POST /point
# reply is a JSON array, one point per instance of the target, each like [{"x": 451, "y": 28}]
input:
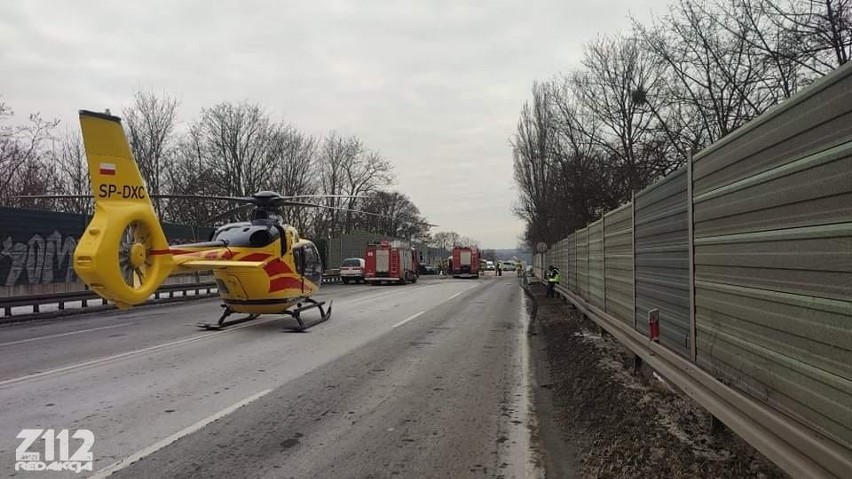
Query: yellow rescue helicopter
[{"x": 260, "y": 266}]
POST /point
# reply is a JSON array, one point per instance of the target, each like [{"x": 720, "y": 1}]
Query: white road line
[
  {"x": 174, "y": 437},
  {"x": 408, "y": 319},
  {"x": 62, "y": 334},
  {"x": 454, "y": 296},
  {"x": 128, "y": 354}
]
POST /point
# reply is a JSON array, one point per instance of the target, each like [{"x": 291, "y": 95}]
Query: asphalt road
[{"x": 423, "y": 380}]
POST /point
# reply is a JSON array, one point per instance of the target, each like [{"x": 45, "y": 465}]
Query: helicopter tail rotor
[{"x": 123, "y": 255}]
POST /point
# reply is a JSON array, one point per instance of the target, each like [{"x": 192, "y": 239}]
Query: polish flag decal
[{"x": 107, "y": 169}]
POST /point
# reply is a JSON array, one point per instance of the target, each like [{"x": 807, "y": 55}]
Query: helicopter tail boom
[{"x": 123, "y": 254}]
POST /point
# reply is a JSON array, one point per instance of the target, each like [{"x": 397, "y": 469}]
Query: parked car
[
  {"x": 352, "y": 270},
  {"x": 426, "y": 269}
]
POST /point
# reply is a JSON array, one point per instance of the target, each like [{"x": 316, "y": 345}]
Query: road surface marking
[
  {"x": 62, "y": 334},
  {"x": 408, "y": 319},
  {"x": 454, "y": 296},
  {"x": 174, "y": 437},
  {"x": 128, "y": 354}
]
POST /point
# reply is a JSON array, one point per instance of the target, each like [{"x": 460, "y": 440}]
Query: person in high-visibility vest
[{"x": 552, "y": 281}]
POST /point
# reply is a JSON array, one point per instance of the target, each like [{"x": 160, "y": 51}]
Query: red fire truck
[
  {"x": 465, "y": 262},
  {"x": 390, "y": 261}
]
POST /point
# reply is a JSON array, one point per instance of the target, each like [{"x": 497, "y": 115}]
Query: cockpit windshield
[{"x": 247, "y": 234}]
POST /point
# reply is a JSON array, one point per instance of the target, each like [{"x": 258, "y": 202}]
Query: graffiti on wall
[
  {"x": 37, "y": 247},
  {"x": 40, "y": 260}
]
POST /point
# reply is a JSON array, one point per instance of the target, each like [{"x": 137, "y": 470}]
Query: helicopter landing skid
[
  {"x": 297, "y": 313},
  {"x": 224, "y": 324}
]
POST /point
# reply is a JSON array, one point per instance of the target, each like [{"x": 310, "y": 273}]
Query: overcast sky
[{"x": 435, "y": 86}]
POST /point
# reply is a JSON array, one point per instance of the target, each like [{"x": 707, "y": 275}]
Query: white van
[{"x": 352, "y": 269}]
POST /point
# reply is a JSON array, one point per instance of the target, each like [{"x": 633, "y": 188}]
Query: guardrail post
[
  {"x": 693, "y": 349},
  {"x": 633, "y": 248},
  {"x": 603, "y": 258}
]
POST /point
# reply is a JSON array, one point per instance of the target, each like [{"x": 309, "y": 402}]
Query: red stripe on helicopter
[
  {"x": 284, "y": 283},
  {"x": 255, "y": 257},
  {"x": 174, "y": 251},
  {"x": 227, "y": 254},
  {"x": 276, "y": 267}
]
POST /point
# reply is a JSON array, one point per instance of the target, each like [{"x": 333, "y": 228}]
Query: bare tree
[
  {"x": 190, "y": 173},
  {"x": 468, "y": 242},
  {"x": 587, "y": 183},
  {"x": 69, "y": 159},
  {"x": 293, "y": 157},
  {"x": 445, "y": 240},
  {"x": 822, "y": 28},
  {"x": 641, "y": 104},
  {"x": 234, "y": 140},
  {"x": 713, "y": 71},
  {"x": 616, "y": 69},
  {"x": 335, "y": 153},
  {"x": 22, "y": 152},
  {"x": 400, "y": 218},
  {"x": 225, "y": 152},
  {"x": 364, "y": 174},
  {"x": 348, "y": 168},
  {"x": 770, "y": 41},
  {"x": 150, "y": 123},
  {"x": 533, "y": 169}
]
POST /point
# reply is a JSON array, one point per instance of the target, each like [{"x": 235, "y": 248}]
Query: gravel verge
[{"x": 600, "y": 416}]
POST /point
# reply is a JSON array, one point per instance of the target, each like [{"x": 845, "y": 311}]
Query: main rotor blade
[
  {"x": 195, "y": 197},
  {"x": 323, "y": 196},
  {"x": 226, "y": 214},
  {"x": 207, "y": 197},
  {"x": 48, "y": 197},
  {"x": 312, "y": 205}
]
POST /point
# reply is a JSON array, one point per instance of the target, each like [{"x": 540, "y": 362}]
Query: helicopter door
[
  {"x": 313, "y": 263},
  {"x": 299, "y": 259},
  {"x": 283, "y": 235}
]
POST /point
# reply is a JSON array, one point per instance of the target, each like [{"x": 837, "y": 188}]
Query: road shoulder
[{"x": 601, "y": 417}]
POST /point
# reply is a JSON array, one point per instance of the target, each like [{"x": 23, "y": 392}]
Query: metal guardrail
[
  {"x": 791, "y": 445},
  {"x": 86, "y": 296}
]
